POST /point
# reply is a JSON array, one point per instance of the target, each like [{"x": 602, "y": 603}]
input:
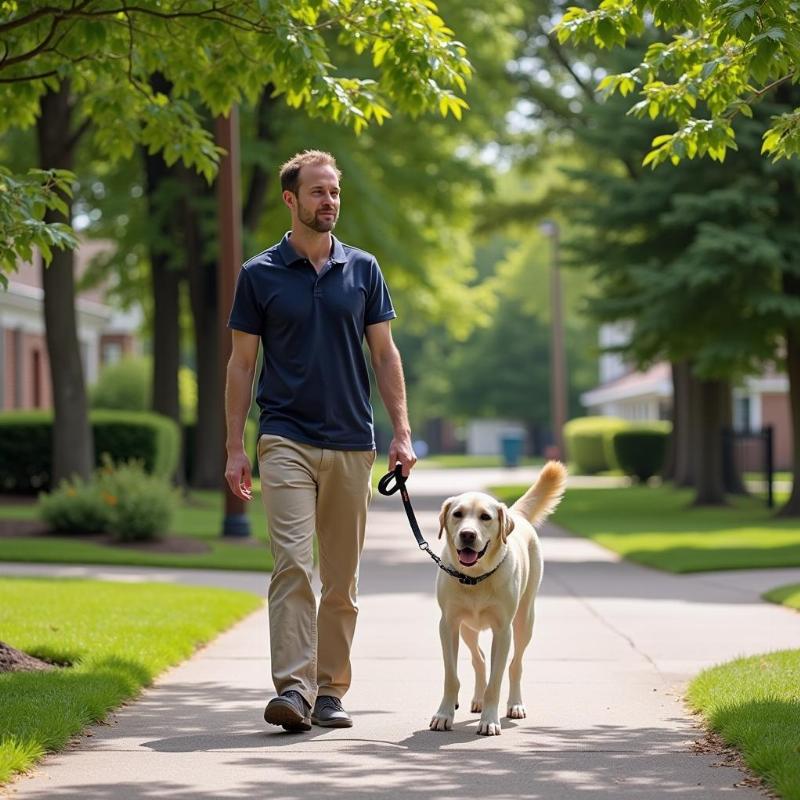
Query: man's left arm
[{"x": 388, "y": 368}]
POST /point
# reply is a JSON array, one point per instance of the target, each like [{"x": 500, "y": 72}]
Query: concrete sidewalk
[{"x": 613, "y": 647}]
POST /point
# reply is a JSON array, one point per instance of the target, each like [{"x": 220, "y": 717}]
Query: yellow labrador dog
[{"x": 498, "y": 547}]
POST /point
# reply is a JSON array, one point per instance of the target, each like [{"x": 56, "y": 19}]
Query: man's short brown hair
[{"x": 290, "y": 171}]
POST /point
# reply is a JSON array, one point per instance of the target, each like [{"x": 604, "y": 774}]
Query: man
[{"x": 310, "y": 300}]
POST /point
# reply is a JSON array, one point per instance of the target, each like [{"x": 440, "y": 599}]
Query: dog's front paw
[
  {"x": 489, "y": 726},
  {"x": 442, "y": 721},
  {"x": 477, "y": 705},
  {"x": 516, "y": 711}
]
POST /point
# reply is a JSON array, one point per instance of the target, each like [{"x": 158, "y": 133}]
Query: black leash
[{"x": 385, "y": 487}]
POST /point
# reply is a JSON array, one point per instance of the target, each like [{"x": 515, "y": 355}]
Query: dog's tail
[{"x": 542, "y": 498}]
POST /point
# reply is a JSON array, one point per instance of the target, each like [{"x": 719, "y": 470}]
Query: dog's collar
[{"x": 469, "y": 580}]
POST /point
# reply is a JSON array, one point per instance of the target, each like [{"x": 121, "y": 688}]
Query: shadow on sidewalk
[{"x": 603, "y": 762}]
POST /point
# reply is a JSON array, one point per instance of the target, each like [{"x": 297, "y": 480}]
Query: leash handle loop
[{"x": 385, "y": 485}]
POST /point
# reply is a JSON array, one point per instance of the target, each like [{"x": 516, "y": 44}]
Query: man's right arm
[{"x": 238, "y": 394}]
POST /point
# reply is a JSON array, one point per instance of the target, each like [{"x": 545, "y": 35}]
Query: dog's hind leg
[
  {"x": 470, "y": 637},
  {"x": 523, "y": 632}
]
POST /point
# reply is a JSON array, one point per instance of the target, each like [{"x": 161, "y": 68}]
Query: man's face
[{"x": 317, "y": 200}]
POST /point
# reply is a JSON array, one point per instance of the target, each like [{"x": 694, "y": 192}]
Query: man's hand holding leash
[{"x": 402, "y": 452}]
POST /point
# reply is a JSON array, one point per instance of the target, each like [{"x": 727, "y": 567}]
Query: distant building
[
  {"x": 105, "y": 334},
  {"x": 484, "y": 436},
  {"x": 624, "y": 392}
]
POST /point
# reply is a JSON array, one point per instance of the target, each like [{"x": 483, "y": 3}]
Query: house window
[
  {"x": 112, "y": 352},
  {"x": 741, "y": 413},
  {"x": 36, "y": 369}
]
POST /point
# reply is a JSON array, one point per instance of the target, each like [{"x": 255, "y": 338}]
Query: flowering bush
[
  {"x": 120, "y": 499},
  {"x": 75, "y": 507},
  {"x": 141, "y": 504}
]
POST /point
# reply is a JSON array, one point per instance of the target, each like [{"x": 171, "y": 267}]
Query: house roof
[{"x": 656, "y": 381}]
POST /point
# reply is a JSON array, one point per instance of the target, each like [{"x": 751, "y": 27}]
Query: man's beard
[{"x": 315, "y": 222}]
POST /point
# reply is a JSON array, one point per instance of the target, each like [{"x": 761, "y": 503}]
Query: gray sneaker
[
  {"x": 289, "y": 710},
  {"x": 328, "y": 713}
]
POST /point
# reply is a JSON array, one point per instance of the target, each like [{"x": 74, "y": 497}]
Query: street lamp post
[
  {"x": 558, "y": 360},
  {"x": 235, "y": 522}
]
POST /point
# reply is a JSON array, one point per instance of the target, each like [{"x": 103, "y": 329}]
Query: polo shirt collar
[{"x": 290, "y": 255}]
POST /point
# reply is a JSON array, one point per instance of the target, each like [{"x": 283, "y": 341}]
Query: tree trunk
[
  {"x": 731, "y": 470},
  {"x": 202, "y": 271},
  {"x": 787, "y": 199},
  {"x": 73, "y": 444},
  {"x": 684, "y": 393},
  {"x": 166, "y": 278},
  {"x": 792, "y": 506},
  {"x": 707, "y": 439},
  {"x": 210, "y": 429}
]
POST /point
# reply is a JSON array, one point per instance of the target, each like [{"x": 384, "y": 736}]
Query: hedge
[
  {"x": 586, "y": 439},
  {"x": 641, "y": 450},
  {"x": 26, "y": 445}
]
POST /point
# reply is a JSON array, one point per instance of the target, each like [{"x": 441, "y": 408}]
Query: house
[
  {"x": 759, "y": 401},
  {"x": 105, "y": 334}
]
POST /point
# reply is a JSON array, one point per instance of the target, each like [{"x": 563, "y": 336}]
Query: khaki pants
[{"x": 307, "y": 489}]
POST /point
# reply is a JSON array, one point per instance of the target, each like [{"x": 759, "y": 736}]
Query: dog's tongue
[{"x": 467, "y": 556}]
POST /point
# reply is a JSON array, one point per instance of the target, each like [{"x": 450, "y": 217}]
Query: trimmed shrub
[
  {"x": 137, "y": 435},
  {"x": 586, "y": 442},
  {"x": 75, "y": 507},
  {"x": 641, "y": 450},
  {"x": 127, "y": 386},
  {"x": 120, "y": 499},
  {"x": 124, "y": 386},
  {"x": 26, "y": 445}
]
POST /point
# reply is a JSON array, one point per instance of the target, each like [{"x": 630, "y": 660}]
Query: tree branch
[
  {"x": 10, "y": 62},
  {"x": 40, "y": 12},
  {"x": 75, "y": 138},
  {"x": 556, "y": 50}
]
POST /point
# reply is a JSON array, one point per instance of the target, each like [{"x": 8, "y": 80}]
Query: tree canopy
[
  {"x": 723, "y": 56},
  {"x": 213, "y": 56}
]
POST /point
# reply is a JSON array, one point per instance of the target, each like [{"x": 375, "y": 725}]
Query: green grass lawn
[
  {"x": 458, "y": 461},
  {"x": 116, "y": 637},
  {"x": 199, "y": 515},
  {"x": 776, "y": 476},
  {"x": 754, "y": 704},
  {"x": 658, "y": 527}
]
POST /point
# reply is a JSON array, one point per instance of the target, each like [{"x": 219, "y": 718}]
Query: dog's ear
[
  {"x": 443, "y": 515},
  {"x": 505, "y": 521}
]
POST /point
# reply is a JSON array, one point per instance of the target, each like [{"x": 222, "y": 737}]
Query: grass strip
[
  {"x": 199, "y": 516},
  {"x": 116, "y": 637},
  {"x": 658, "y": 527},
  {"x": 459, "y": 461},
  {"x": 62, "y": 550},
  {"x": 754, "y": 704},
  {"x": 785, "y": 595}
]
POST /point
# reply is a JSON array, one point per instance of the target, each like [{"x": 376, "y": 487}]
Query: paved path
[{"x": 613, "y": 647}]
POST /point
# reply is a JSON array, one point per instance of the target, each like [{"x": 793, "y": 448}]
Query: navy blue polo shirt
[{"x": 314, "y": 385}]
